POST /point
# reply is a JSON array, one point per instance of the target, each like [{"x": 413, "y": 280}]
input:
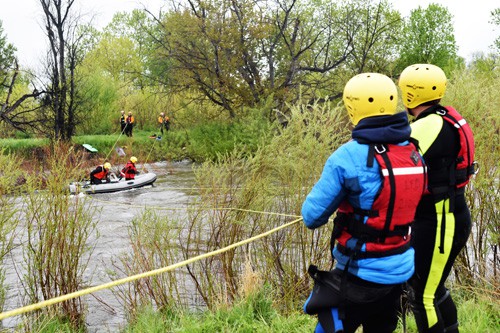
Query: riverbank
[{"x": 197, "y": 144}]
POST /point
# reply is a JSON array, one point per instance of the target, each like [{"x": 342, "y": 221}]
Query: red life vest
[
  {"x": 101, "y": 174},
  {"x": 386, "y": 230},
  {"x": 129, "y": 170},
  {"x": 465, "y": 164}
]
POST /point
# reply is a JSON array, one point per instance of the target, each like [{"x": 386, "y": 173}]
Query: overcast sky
[{"x": 21, "y": 22}]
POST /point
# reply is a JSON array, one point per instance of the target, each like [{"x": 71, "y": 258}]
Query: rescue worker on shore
[
  {"x": 130, "y": 122},
  {"x": 123, "y": 121},
  {"x": 374, "y": 182},
  {"x": 164, "y": 122},
  {"x": 129, "y": 171},
  {"x": 100, "y": 174},
  {"x": 442, "y": 222}
]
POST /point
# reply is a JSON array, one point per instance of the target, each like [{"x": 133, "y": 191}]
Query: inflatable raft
[{"x": 114, "y": 185}]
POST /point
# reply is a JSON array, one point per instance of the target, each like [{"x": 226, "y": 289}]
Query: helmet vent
[
  {"x": 370, "y": 99},
  {"x": 391, "y": 98},
  {"x": 434, "y": 87}
]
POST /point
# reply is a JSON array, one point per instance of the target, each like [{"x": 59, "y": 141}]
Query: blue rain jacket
[{"x": 346, "y": 176}]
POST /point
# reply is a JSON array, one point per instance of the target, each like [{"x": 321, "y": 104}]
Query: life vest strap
[
  {"x": 357, "y": 255},
  {"x": 439, "y": 191},
  {"x": 366, "y": 212},
  {"x": 359, "y": 229}
]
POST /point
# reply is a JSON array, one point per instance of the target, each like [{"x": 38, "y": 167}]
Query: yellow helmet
[
  {"x": 369, "y": 95},
  {"x": 421, "y": 83},
  {"x": 107, "y": 165},
  {"x": 133, "y": 159}
]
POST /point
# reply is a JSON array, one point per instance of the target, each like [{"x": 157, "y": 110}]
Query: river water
[{"x": 172, "y": 189}]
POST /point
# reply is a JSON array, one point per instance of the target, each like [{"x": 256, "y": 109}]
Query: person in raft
[
  {"x": 100, "y": 174},
  {"x": 129, "y": 171}
]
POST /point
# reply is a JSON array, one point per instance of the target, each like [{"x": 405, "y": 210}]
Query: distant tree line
[{"x": 221, "y": 56}]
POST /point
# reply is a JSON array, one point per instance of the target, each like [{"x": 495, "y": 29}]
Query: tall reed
[
  {"x": 11, "y": 184},
  {"x": 243, "y": 197},
  {"x": 58, "y": 228},
  {"x": 154, "y": 244},
  {"x": 474, "y": 93},
  {"x": 239, "y": 197}
]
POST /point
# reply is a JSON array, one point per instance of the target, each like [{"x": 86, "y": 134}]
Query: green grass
[
  {"x": 477, "y": 312},
  {"x": 253, "y": 314},
  {"x": 53, "y": 325},
  {"x": 200, "y": 143},
  {"x": 22, "y": 145}
]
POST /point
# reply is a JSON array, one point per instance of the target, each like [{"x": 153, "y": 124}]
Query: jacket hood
[{"x": 383, "y": 129}]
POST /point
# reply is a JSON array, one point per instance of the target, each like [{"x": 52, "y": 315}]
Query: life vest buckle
[
  {"x": 441, "y": 112},
  {"x": 380, "y": 149},
  {"x": 474, "y": 168}
]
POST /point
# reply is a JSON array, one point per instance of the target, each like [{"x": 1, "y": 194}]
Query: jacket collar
[
  {"x": 430, "y": 110},
  {"x": 383, "y": 129}
]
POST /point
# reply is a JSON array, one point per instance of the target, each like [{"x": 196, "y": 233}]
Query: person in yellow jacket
[
  {"x": 164, "y": 122},
  {"x": 442, "y": 222},
  {"x": 130, "y": 122}
]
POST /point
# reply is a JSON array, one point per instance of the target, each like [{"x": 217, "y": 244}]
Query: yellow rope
[
  {"x": 111, "y": 284},
  {"x": 147, "y": 157},
  {"x": 119, "y": 136}
]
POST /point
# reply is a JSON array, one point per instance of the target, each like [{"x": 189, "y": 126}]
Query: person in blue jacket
[{"x": 374, "y": 182}]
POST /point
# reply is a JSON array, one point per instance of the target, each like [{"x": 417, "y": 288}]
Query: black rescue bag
[{"x": 337, "y": 288}]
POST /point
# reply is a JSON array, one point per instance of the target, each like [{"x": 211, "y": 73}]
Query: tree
[
  {"x": 237, "y": 53},
  {"x": 16, "y": 108},
  {"x": 141, "y": 30},
  {"x": 7, "y": 58},
  {"x": 495, "y": 19},
  {"x": 375, "y": 36},
  {"x": 428, "y": 37},
  {"x": 118, "y": 73},
  {"x": 65, "y": 54},
  {"x": 124, "y": 48}
]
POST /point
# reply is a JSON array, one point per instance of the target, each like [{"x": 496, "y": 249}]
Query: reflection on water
[{"x": 173, "y": 189}]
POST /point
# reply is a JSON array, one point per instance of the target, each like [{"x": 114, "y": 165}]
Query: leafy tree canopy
[
  {"x": 7, "y": 58},
  {"x": 237, "y": 53},
  {"x": 495, "y": 19},
  {"x": 428, "y": 37}
]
